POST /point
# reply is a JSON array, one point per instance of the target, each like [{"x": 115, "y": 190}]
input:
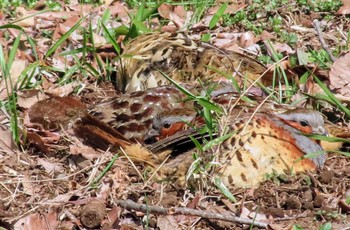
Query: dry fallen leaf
[
  {"x": 25, "y": 18},
  {"x": 27, "y": 98},
  {"x": 79, "y": 149},
  {"x": 28, "y": 186},
  {"x": 38, "y": 221},
  {"x": 5, "y": 85},
  {"x": 339, "y": 75},
  {"x": 164, "y": 10},
  {"x": 50, "y": 167},
  {"x": 64, "y": 90},
  {"x": 177, "y": 14},
  {"x": 6, "y": 142},
  {"x": 167, "y": 222},
  {"x": 345, "y": 8}
]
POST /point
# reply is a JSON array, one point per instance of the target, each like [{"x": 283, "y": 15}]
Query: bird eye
[
  {"x": 166, "y": 125},
  {"x": 304, "y": 123}
]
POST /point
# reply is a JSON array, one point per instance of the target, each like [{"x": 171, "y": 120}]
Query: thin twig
[
  {"x": 322, "y": 41},
  {"x": 131, "y": 205},
  {"x": 302, "y": 215}
]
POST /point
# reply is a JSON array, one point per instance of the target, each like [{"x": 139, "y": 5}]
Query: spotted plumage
[
  {"x": 132, "y": 114},
  {"x": 262, "y": 143},
  {"x": 182, "y": 59}
]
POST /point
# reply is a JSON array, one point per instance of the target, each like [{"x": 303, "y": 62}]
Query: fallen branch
[
  {"x": 322, "y": 41},
  {"x": 131, "y": 205}
]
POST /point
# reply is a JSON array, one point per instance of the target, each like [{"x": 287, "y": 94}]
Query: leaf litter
[{"x": 50, "y": 182}]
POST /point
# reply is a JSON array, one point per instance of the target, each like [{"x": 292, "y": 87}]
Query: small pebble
[
  {"x": 318, "y": 202},
  {"x": 293, "y": 203},
  {"x": 326, "y": 176}
]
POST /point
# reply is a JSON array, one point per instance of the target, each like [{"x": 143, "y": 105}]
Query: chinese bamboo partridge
[
  {"x": 132, "y": 114},
  {"x": 182, "y": 59},
  {"x": 261, "y": 142}
]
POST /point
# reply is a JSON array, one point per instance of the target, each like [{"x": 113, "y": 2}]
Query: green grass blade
[
  {"x": 6, "y": 67},
  {"x": 217, "y": 16},
  {"x": 347, "y": 154},
  {"x": 193, "y": 167},
  {"x": 110, "y": 38},
  {"x": 217, "y": 141},
  {"x": 329, "y": 139},
  {"x": 196, "y": 143},
  {"x": 202, "y": 101},
  {"x": 64, "y": 37},
  {"x": 105, "y": 170},
  {"x": 225, "y": 191},
  {"x": 332, "y": 97}
]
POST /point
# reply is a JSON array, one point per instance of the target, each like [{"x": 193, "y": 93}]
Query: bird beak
[
  {"x": 322, "y": 131},
  {"x": 151, "y": 137}
]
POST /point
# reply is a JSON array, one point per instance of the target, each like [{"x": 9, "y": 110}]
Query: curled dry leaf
[
  {"x": 6, "y": 142},
  {"x": 283, "y": 48},
  {"x": 167, "y": 222},
  {"x": 43, "y": 140},
  {"x": 38, "y": 221},
  {"x": 79, "y": 149},
  {"x": 25, "y": 19},
  {"x": 50, "y": 167},
  {"x": 65, "y": 27},
  {"x": 247, "y": 39},
  {"x": 28, "y": 185},
  {"x": 177, "y": 14},
  {"x": 64, "y": 90},
  {"x": 164, "y": 10},
  {"x": 339, "y": 75},
  {"x": 16, "y": 69},
  {"x": 119, "y": 9},
  {"x": 345, "y": 8},
  {"x": 27, "y": 98}
]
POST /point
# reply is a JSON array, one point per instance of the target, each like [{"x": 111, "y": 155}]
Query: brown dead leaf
[
  {"x": 28, "y": 187},
  {"x": 225, "y": 42},
  {"x": 64, "y": 27},
  {"x": 43, "y": 140},
  {"x": 56, "y": 16},
  {"x": 38, "y": 221},
  {"x": 120, "y": 9},
  {"x": 181, "y": 11},
  {"x": 194, "y": 203},
  {"x": 50, "y": 167},
  {"x": 169, "y": 28},
  {"x": 5, "y": 85},
  {"x": 167, "y": 222},
  {"x": 339, "y": 75},
  {"x": 27, "y": 98},
  {"x": 245, "y": 213},
  {"x": 345, "y": 8},
  {"x": 6, "y": 142},
  {"x": 113, "y": 217},
  {"x": 230, "y": 9},
  {"x": 265, "y": 35},
  {"x": 86, "y": 151},
  {"x": 65, "y": 90},
  {"x": 235, "y": 41},
  {"x": 24, "y": 18},
  {"x": 247, "y": 39},
  {"x": 164, "y": 10},
  {"x": 99, "y": 40},
  {"x": 63, "y": 198},
  {"x": 283, "y": 48},
  {"x": 177, "y": 14}
]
